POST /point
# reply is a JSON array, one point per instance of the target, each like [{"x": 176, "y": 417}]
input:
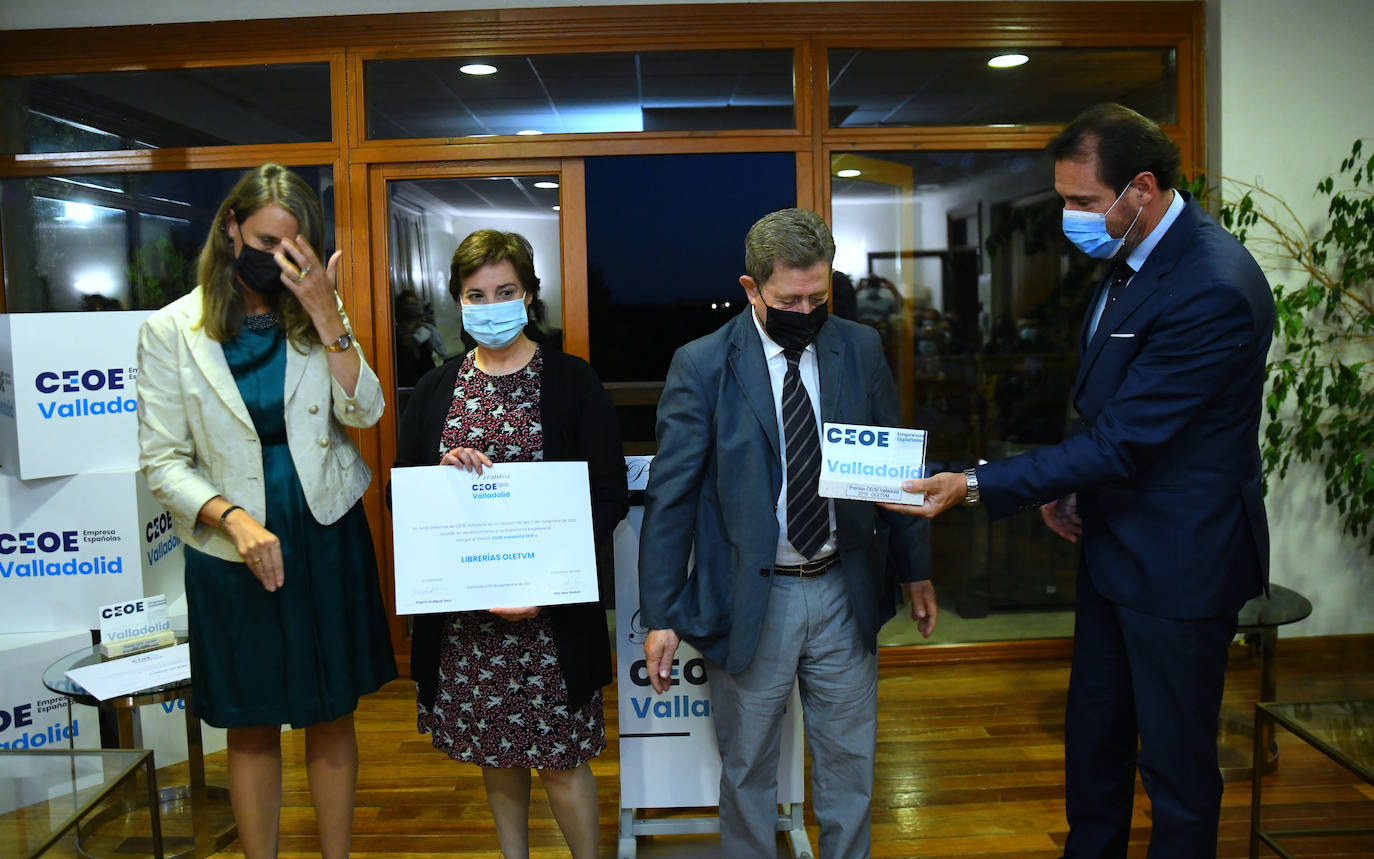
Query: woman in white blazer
[{"x": 246, "y": 386}]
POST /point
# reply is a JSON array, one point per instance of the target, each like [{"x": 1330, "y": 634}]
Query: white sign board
[
  {"x": 31, "y": 716},
  {"x": 68, "y": 392},
  {"x": 163, "y": 556},
  {"x": 668, "y": 753},
  {"x": 70, "y": 545}
]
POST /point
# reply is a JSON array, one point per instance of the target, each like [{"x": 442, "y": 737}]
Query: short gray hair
[{"x": 797, "y": 238}]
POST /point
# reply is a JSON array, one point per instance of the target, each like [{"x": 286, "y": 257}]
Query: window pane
[
  {"x": 115, "y": 242},
  {"x": 890, "y": 87},
  {"x": 665, "y": 250},
  {"x": 570, "y": 93},
  {"x": 165, "y": 108},
  {"x": 958, "y": 260},
  {"x": 428, "y": 218}
]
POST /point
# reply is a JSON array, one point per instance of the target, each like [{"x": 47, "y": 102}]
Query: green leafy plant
[
  {"x": 1320, "y": 398},
  {"x": 159, "y": 272}
]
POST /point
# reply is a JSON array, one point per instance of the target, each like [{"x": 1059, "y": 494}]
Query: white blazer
[{"x": 196, "y": 439}]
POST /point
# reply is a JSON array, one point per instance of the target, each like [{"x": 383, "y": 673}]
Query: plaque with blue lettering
[{"x": 865, "y": 463}]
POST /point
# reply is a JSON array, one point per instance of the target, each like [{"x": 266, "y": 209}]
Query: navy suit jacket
[
  {"x": 714, "y": 486},
  {"x": 1165, "y": 455}
]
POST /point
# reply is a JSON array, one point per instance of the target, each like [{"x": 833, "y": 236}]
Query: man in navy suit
[
  {"x": 786, "y": 585},
  {"x": 1160, "y": 479}
]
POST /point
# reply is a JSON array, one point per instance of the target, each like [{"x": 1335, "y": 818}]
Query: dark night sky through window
[{"x": 665, "y": 239}]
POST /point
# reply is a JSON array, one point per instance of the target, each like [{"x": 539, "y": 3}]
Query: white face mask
[
  {"x": 495, "y": 325},
  {"x": 1088, "y": 230}
]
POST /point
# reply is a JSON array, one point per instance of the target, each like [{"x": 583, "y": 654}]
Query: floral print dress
[{"x": 501, "y": 699}]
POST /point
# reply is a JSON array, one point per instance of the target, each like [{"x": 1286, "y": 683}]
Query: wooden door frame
[{"x": 372, "y": 266}]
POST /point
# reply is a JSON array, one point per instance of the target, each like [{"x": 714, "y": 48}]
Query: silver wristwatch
[
  {"x": 342, "y": 344},
  {"x": 971, "y": 493}
]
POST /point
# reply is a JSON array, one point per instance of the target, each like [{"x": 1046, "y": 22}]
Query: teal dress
[{"x": 306, "y": 652}]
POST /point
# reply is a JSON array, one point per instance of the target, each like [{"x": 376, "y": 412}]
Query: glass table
[
  {"x": 1259, "y": 621},
  {"x": 205, "y": 807},
  {"x": 1341, "y": 730},
  {"x": 52, "y": 791}
]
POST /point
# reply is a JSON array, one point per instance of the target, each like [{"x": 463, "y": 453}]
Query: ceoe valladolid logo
[{"x": 66, "y": 552}]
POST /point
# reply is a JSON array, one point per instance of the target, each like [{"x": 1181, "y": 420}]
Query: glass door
[
  {"x": 419, "y": 215},
  {"x": 426, "y": 219}
]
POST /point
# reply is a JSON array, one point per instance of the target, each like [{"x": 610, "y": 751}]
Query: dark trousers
[{"x": 1155, "y": 684}]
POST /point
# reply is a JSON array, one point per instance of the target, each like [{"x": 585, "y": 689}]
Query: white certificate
[
  {"x": 518, "y": 535},
  {"x": 131, "y": 674}
]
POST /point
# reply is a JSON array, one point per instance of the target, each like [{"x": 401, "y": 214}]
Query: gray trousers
[{"x": 809, "y": 635}]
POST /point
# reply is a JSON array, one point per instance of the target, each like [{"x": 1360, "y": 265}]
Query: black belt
[{"x": 810, "y": 569}]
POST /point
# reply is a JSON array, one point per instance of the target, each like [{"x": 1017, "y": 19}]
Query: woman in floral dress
[{"x": 518, "y": 688}]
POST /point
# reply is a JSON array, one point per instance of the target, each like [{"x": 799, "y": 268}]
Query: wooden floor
[{"x": 970, "y": 763}]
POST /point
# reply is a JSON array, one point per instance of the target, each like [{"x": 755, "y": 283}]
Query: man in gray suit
[{"x": 786, "y": 585}]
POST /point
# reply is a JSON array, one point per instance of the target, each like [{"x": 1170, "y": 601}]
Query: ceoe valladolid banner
[
  {"x": 69, "y": 545},
  {"x": 668, "y": 754},
  {"x": 69, "y": 392}
]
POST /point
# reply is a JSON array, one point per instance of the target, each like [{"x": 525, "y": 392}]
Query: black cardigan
[{"x": 579, "y": 423}]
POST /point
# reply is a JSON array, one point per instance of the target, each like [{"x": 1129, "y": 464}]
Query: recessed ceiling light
[
  {"x": 546, "y": 185},
  {"x": 556, "y": 208},
  {"x": 529, "y": 132},
  {"x": 1007, "y": 61},
  {"x": 477, "y": 69},
  {"x": 848, "y": 174}
]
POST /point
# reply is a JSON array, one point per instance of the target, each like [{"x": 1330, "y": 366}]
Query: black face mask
[
  {"x": 791, "y": 329},
  {"x": 259, "y": 271}
]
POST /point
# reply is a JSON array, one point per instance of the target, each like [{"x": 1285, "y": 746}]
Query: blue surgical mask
[
  {"x": 1088, "y": 230},
  {"x": 496, "y": 325}
]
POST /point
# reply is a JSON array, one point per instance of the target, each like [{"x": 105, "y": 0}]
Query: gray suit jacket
[{"x": 715, "y": 483}]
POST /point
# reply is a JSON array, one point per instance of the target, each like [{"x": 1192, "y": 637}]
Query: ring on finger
[
  {"x": 304, "y": 272},
  {"x": 257, "y": 562}
]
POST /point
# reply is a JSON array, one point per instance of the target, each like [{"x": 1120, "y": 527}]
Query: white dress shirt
[{"x": 811, "y": 380}]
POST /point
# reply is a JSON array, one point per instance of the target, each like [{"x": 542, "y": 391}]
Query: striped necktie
[{"x": 808, "y": 520}]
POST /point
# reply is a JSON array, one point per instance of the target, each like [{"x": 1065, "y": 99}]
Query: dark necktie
[
  {"x": 1121, "y": 272},
  {"x": 1117, "y": 276},
  {"x": 808, "y": 519}
]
